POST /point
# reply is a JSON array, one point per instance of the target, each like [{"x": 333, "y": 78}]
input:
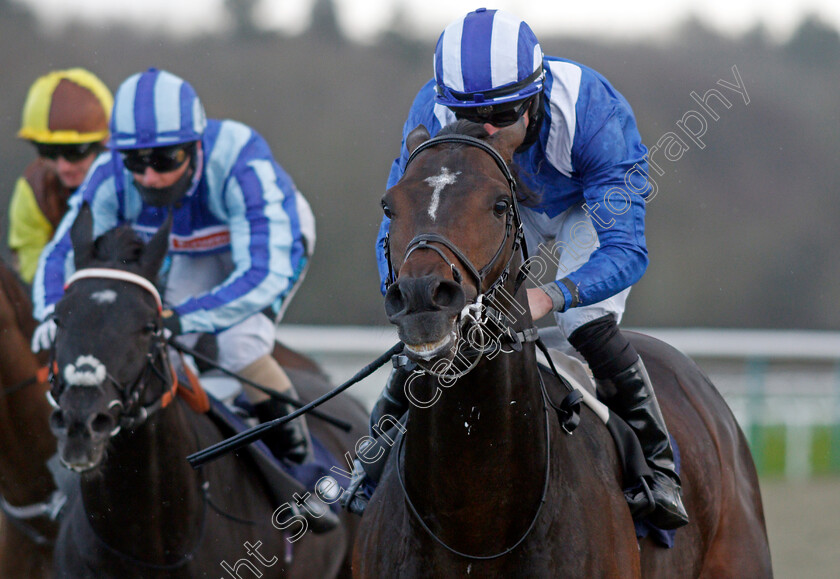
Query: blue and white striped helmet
[
  {"x": 156, "y": 109},
  {"x": 486, "y": 58}
]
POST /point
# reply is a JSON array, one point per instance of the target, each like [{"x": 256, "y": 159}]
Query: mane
[
  {"x": 119, "y": 247},
  {"x": 18, "y": 296},
  {"x": 524, "y": 194}
]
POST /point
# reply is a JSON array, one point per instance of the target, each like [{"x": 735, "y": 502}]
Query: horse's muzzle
[{"x": 425, "y": 310}]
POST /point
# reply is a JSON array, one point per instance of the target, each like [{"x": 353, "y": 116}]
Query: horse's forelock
[
  {"x": 524, "y": 194},
  {"x": 464, "y": 127},
  {"x": 120, "y": 247}
]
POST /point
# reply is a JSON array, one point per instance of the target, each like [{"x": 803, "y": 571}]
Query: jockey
[
  {"x": 241, "y": 238},
  {"x": 65, "y": 117},
  {"x": 583, "y": 155}
]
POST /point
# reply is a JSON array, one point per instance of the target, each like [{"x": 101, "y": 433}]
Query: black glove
[{"x": 171, "y": 323}]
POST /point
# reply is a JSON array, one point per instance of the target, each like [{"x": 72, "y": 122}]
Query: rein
[
  {"x": 546, "y": 480},
  {"x": 42, "y": 375}
]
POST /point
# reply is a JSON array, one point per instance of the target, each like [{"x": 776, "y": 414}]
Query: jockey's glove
[
  {"x": 171, "y": 323},
  {"x": 44, "y": 335}
]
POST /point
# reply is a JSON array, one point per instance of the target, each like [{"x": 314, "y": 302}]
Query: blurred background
[{"x": 742, "y": 233}]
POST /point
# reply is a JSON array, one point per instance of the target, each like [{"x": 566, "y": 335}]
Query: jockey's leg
[
  {"x": 291, "y": 440},
  {"x": 388, "y": 410},
  {"x": 246, "y": 349},
  {"x": 625, "y": 387}
]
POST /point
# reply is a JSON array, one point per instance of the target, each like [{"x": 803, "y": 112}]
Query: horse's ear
[
  {"x": 508, "y": 139},
  {"x": 156, "y": 249},
  {"x": 416, "y": 137},
  {"x": 81, "y": 235}
]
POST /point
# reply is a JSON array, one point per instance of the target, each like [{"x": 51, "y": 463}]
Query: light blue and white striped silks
[
  {"x": 155, "y": 108},
  {"x": 486, "y": 58}
]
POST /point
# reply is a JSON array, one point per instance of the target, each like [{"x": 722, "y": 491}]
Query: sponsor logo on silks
[{"x": 203, "y": 241}]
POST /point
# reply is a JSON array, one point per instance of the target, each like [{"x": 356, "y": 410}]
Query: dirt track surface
[{"x": 803, "y": 523}]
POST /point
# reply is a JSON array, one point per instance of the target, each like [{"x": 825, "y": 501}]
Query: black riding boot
[
  {"x": 290, "y": 440},
  {"x": 630, "y": 395},
  {"x": 387, "y": 411}
]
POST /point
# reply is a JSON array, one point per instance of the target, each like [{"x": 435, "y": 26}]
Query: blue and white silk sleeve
[
  {"x": 614, "y": 177},
  {"x": 268, "y": 249}
]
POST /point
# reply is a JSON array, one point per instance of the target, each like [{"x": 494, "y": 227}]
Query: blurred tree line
[{"x": 742, "y": 232}]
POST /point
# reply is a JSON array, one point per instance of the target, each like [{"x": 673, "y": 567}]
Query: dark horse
[
  {"x": 25, "y": 439},
  {"x": 142, "y": 510},
  {"x": 484, "y": 481}
]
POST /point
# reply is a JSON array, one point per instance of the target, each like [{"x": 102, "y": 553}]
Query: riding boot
[
  {"x": 291, "y": 440},
  {"x": 390, "y": 407},
  {"x": 630, "y": 395}
]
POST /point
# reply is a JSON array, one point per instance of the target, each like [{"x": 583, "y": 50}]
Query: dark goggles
[
  {"x": 499, "y": 116},
  {"x": 160, "y": 159},
  {"x": 70, "y": 153}
]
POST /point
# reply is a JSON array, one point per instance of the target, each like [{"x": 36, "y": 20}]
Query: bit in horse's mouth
[
  {"x": 431, "y": 350},
  {"x": 79, "y": 468}
]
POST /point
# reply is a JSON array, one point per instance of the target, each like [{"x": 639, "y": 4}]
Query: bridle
[
  {"x": 478, "y": 313},
  {"x": 513, "y": 224},
  {"x": 132, "y": 412},
  {"x": 480, "y": 310}
]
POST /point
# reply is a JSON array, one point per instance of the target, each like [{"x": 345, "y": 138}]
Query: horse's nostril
[
  {"x": 102, "y": 424},
  {"x": 448, "y": 295},
  {"x": 57, "y": 421},
  {"x": 394, "y": 300}
]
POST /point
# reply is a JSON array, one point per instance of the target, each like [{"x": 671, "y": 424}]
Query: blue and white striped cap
[
  {"x": 156, "y": 109},
  {"x": 487, "y": 57}
]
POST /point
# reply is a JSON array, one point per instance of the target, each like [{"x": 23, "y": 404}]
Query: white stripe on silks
[
  {"x": 167, "y": 94},
  {"x": 538, "y": 55},
  {"x": 504, "y": 52},
  {"x": 232, "y": 138},
  {"x": 444, "y": 115},
  {"x": 451, "y": 61},
  {"x": 279, "y": 225},
  {"x": 563, "y": 98},
  {"x": 306, "y": 219},
  {"x": 125, "y": 108}
]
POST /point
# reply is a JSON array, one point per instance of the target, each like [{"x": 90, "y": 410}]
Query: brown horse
[
  {"x": 25, "y": 439},
  {"x": 484, "y": 481},
  {"x": 142, "y": 511}
]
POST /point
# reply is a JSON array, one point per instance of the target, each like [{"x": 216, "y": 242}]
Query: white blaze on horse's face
[
  {"x": 437, "y": 183},
  {"x": 87, "y": 371},
  {"x": 104, "y": 297}
]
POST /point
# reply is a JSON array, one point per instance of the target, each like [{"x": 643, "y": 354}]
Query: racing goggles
[
  {"x": 500, "y": 116},
  {"x": 70, "y": 153},
  {"x": 159, "y": 159}
]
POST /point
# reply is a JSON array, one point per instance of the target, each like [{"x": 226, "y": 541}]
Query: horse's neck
[
  {"x": 482, "y": 445},
  {"x": 145, "y": 483},
  {"x": 24, "y": 411}
]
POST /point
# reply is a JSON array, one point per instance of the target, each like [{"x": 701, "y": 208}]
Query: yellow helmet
[{"x": 67, "y": 107}]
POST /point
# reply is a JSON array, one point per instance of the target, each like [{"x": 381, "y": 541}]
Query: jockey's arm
[{"x": 267, "y": 247}]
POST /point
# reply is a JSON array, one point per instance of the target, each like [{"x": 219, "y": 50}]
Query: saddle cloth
[{"x": 282, "y": 478}]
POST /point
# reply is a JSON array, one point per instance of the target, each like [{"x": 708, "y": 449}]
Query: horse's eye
[
  {"x": 150, "y": 328},
  {"x": 501, "y": 207},
  {"x": 386, "y": 209}
]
